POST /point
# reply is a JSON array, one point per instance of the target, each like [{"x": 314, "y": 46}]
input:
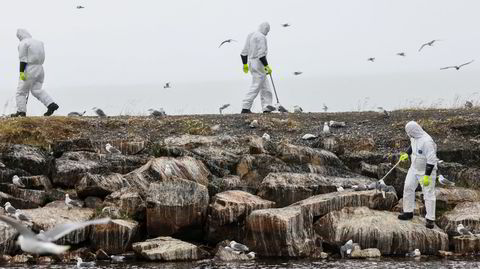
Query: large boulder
[
  {"x": 466, "y": 244},
  {"x": 467, "y": 213},
  {"x": 353, "y": 160},
  {"x": 116, "y": 237},
  {"x": 168, "y": 249},
  {"x": 28, "y": 158},
  {"x": 464, "y": 176},
  {"x": 16, "y": 202},
  {"x": 287, "y": 188},
  {"x": 220, "y": 161},
  {"x": 7, "y": 173},
  {"x": 175, "y": 204},
  {"x": 293, "y": 154},
  {"x": 61, "y": 146},
  {"x": 36, "y": 198},
  {"x": 380, "y": 229},
  {"x": 73, "y": 166},
  {"x": 8, "y": 236},
  {"x": 227, "y": 214},
  {"x": 448, "y": 198},
  {"x": 228, "y": 183},
  {"x": 103, "y": 185},
  {"x": 130, "y": 202},
  {"x": 284, "y": 232}
]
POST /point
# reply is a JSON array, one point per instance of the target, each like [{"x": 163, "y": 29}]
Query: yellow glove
[
  {"x": 23, "y": 76},
  {"x": 245, "y": 68},
  {"x": 426, "y": 181},
  {"x": 403, "y": 157},
  {"x": 268, "y": 69}
]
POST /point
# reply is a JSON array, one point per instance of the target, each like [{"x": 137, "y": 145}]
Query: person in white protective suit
[
  {"x": 423, "y": 170},
  {"x": 254, "y": 58},
  {"x": 32, "y": 55}
]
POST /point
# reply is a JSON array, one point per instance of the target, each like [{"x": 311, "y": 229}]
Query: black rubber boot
[
  {"x": 51, "y": 108},
  {"x": 246, "y": 111},
  {"x": 430, "y": 224},
  {"x": 406, "y": 216},
  {"x": 18, "y": 114}
]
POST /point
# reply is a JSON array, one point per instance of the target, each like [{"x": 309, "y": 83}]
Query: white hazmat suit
[
  {"x": 32, "y": 52},
  {"x": 424, "y": 151},
  {"x": 255, "y": 48}
]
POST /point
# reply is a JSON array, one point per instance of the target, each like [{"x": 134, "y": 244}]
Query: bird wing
[
  {"x": 61, "y": 230},
  {"x": 466, "y": 63},
  {"x": 22, "y": 229},
  {"x": 226, "y": 41},
  {"x": 423, "y": 46},
  {"x": 448, "y": 67}
]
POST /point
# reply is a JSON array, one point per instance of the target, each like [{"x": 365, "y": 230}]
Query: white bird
[
  {"x": 238, "y": 247},
  {"x": 227, "y": 41},
  {"x": 115, "y": 258},
  {"x": 82, "y": 264},
  {"x": 297, "y": 73},
  {"x": 337, "y": 124},
  {"x": 326, "y": 129},
  {"x": 346, "y": 249},
  {"x": 167, "y": 85},
  {"x": 340, "y": 189},
  {"x": 157, "y": 113},
  {"x": 19, "y": 215},
  {"x": 309, "y": 137},
  {"x": 445, "y": 181},
  {"x": 457, "y": 67},
  {"x": 266, "y": 137},
  {"x": 76, "y": 114},
  {"x": 111, "y": 149},
  {"x": 2, "y": 165},
  {"x": 99, "y": 112},
  {"x": 254, "y": 124},
  {"x": 415, "y": 253},
  {"x": 430, "y": 44},
  {"x": 17, "y": 181},
  {"x": 72, "y": 203},
  {"x": 222, "y": 108},
  {"x": 232, "y": 250},
  {"x": 43, "y": 243},
  {"x": 297, "y": 109},
  {"x": 251, "y": 255},
  {"x": 9, "y": 208},
  {"x": 285, "y": 25},
  {"x": 462, "y": 230}
]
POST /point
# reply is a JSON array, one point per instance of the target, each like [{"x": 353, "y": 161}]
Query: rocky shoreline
[{"x": 184, "y": 187}]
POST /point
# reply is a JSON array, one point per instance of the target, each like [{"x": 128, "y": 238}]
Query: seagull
[
  {"x": 285, "y": 25},
  {"x": 282, "y": 109},
  {"x": 445, "y": 181},
  {"x": 462, "y": 230},
  {"x": 2, "y": 165},
  {"x": 9, "y": 208},
  {"x": 167, "y": 85},
  {"x": 238, "y": 247},
  {"x": 251, "y": 255},
  {"x": 326, "y": 129},
  {"x": 430, "y": 44},
  {"x": 111, "y": 149},
  {"x": 222, "y": 108},
  {"x": 17, "y": 182},
  {"x": 157, "y": 113},
  {"x": 232, "y": 250},
  {"x": 361, "y": 187},
  {"x": 415, "y": 253},
  {"x": 19, "y": 215},
  {"x": 99, "y": 112},
  {"x": 401, "y": 54},
  {"x": 117, "y": 258},
  {"x": 80, "y": 7},
  {"x": 227, "y": 41},
  {"x": 254, "y": 124},
  {"x": 266, "y": 137},
  {"x": 371, "y": 59},
  {"x": 468, "y": 104},
  {"x": 457, "y": 67},
  {"x": 43, "y": 243},
  {"x": 76, "y": 114},
  {"x": 309, "y": 137},
  {"x": 82, "y": 264},
  {"x": 297, "y": 109},
  {"x": 346, "y": 249},
  {"x": 325, "y": 108},
  {"x": 72, "y": 203},
  {"x": 297, "y": 73},
  {"x": 340, "y": 189}
]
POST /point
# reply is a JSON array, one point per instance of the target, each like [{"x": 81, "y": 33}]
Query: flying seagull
[
  {"x": 462, "y": 230},
  {"x": 415, "y": 253},
  {"x": 286, "y": 25},
  {"x": 111, "y": 149},
  {"x": 227, "y": 41},
  {"x": 42, "y": 243},
  {"x": 17, "y": 181},
  {"x": 371, "y": 59},
  {"x": 430, "y": 44},
  {"x": 167, "y": 85},
  {"x": 325, "y": 108},
  {"x": 346, "y": 249},
  {"x": 225, "y": 106},
  {"x": 99, "y": 112},
  {"x": 157, "y": 113},
  {"x": 82, "y": 264},
  {"x": 401, "y": 54},
  {"x": 297, "y": 73},
  {"x": 80, "y": 7},
  {"x": 76, "y": 114},
  {"x": 72, "y": 203},
  {"x": 9, "y": 208},
  {"x": 238, "y": 247},
  {"x": 457, "y": 66}
]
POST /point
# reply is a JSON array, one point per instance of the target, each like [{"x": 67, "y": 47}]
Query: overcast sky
[{"x": 117, "y": 54}]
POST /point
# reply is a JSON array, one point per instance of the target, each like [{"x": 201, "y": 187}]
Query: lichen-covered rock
[
  {"x": 467, "y": 213},
  {"x": 466, "y": 244},
  {"x": 323, "y": 204},
  {"x": 28, "y": 158},
  {"x": 380, "y": 229},
  {"x": 226, "y": 255},
  {"x": 115, "y": 237},
  {"x": 103, "y": 185},
  {"x": 448, "y": 198},
  {"x": 305, "y": 155},
  {"x": 175, "y": 204},
  {"x": 368, "y": 253},
  {"x": 220, "y": 161},
  {"x": 129, "y": 201},
  {"x": 8, "y": 236},
  {"x": 284, "y": 232},
  {"x": 194, "y": 141},
  {"x": 168, "y": 249},
  {"x": 35, "y": 198},
  {"x": 227, "y": 213},
  {"x": 228, "y": 183},
  {"x": 287, "y": 188}
]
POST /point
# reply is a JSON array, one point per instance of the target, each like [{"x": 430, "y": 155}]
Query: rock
[
  {"x": 227, "y": 214},
  {"x": 45, "y": 260},
  {"x": 447, "y": 199},
  {"x": 194, "y": 141},
  {"x": 464, "y": 176},
  {"x": 61, "y": 146},
  {"x": 73, "y": 166},
  {"x": 116, "y": 237},
  {"x": 226, "y": 255},
  {"x": 323, "y": 204},
  {"x": 217, "y": 185},
  {"x": 34, "y": 198},
  {"x": 287, "y": 188},
  {"x": 168, "y": 249},
  {"x": 293, "y": 154},
  {"x": 130, "y": 202},
  {"x": 18, "y": 203},
  {"x": 72, "y": 255},
  {"x": 467, "y": 213},
  {"x": 56, "y": 213},
  {"x": 366, "y": 253},
  {"x": 6, "y": 174},
  {"x": 103, "y": 185},
  {"x": 255, "y": 144},
  {"x": 419, "y": 207},
  {"x": 126, "y": 147},
  {"x": 220, "y": 161},
  {"x": 23, "y": 258},
  {"x": 93, "y": 202},
  {"x": 173, "y": 205},
  {"x": 284, "y": 232},
  {"x": 369, "y": 170},
  {"x": 8, "y": 237},
  {"x": 5, "y": 259},
  {"x": 466, "y": 244},
  {"x": 353, "y": 160},
  {"x": 331, "y": 144},
  {"x": 380, "y": 229},
  {"x": 36, "y": 182},
  {"x": 28, "y": 158},
  {"x": 443, "y": 253}
]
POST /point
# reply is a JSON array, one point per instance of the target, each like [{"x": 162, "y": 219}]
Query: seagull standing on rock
[
  {"x": 326, "y": 128},
  {"x": 232, "y": 250},
  {"x": 99, "y": 112},
  {"x": 416, "y": 253},
  {"x": 10, "y": 209},
  {"x": 346, "y": 249},
  {"x": 297, "y": 109},
  {"x": 463, "y": 231},
  {"x": 157, "y": 113},
  {"x": 82, "y": 264},
  {"x": 17, "y": 182},
  {"x": 76, "y": 114},
  {"x": 111, "y": 149},
  {"x": 72, "y": 203},
  {"x": 266, "y": 137},
  {"x": 238, "y": 247}
]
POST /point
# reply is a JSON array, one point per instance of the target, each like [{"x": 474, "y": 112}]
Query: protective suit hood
[
  {"x": 23, "y": 34},
  {"x": 414, "y": 130},
  {"x": 264, "y": 28}
]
